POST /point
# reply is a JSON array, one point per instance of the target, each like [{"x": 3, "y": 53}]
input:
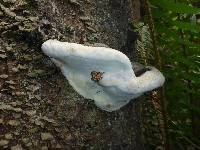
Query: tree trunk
[{"x": 39, "y": 109}]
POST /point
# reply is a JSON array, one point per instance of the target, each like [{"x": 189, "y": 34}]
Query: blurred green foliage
[{"x": 177, "y": 24}]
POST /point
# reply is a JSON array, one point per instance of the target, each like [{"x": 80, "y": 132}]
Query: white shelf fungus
[{"x": 102, "y": 74}]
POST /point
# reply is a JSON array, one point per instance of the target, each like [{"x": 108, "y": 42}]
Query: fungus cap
[{"x": 102, "y": 74}]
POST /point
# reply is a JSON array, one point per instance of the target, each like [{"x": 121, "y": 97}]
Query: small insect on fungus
[{"x": 96, "y": 76}]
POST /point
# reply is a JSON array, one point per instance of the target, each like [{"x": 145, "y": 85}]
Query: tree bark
[{"x": 34, "y": 92}]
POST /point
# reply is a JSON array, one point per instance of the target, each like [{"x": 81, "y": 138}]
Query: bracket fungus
[{"x": 102, "y": 74}]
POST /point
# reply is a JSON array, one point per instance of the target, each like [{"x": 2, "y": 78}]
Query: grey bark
[{"x": 78, "y": 122}]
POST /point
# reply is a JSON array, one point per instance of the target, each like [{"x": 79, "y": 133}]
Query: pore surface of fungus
[{"x": 102, "y": 74}]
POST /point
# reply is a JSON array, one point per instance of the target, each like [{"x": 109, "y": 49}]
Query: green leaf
[
  {"x": 176, "y": 7},
  {"x": 186, "y": 26},
  {"x": 167, "y": 33}
]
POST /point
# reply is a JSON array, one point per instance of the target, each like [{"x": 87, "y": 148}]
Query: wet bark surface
[{"x": 39, "y": 109}]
